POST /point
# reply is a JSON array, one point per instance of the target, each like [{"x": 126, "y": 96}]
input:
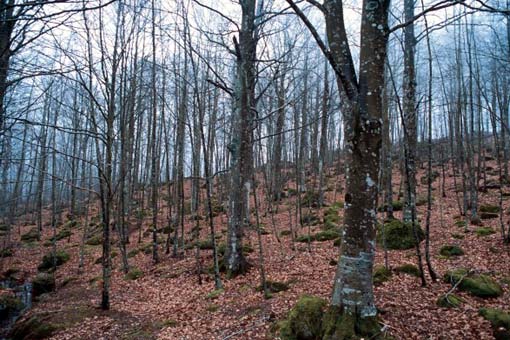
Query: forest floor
[{"x": 167, "y": 302}]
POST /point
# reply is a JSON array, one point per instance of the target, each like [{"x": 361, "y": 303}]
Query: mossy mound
[
  {"x": 484, "y": 231},
  {"x": 399, "y": 235},
  {"x": 380, "y": 274},
  {"x": 409, "y": 269},
  {"x": 59, "y": 258},
  {"x": 31, "y": 236},
  {"x": 285, "y": 232},
  {"x": 423, "y": 200},
  {"x": 327, "y": 235},
  {"x": 478, "y": 285},
  {"x": 305, "y": 238},
  {"x": 275, "y": 286},
  {"x": 460, "y": 223},
  {"x": 134, "y": 274},
  {"x": 449, "y": 301},
  {"x": 94, "y": 240},
  {"x": 214, "y": 294},
  {"x": 304, "y": 320},
  {"x": 62, "y": 234},
  {"x": 500, "y": 321},
  {"x": 488, "y": 215},
  {"x": 451, "y": 250},
  {"x": 424, "y": 180},
  {"x": 489, "y": 208},
  {"x": 43, "y": 283},
  {"x": 35, "y": 327},
  {"x": 332, "y": 219}
]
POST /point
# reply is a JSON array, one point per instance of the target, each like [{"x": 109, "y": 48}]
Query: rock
[
  {"x": 304, "y": 320},
  {"x": 381, "y": 274},
  {"x": 451, "y": 250},
  {"x": 399, "y": 235},
  {"x": 61, "y": 257},
  {"x": 134, "y": 274},
  {"x": 31, "y": 236},
  {"x": 43, "y": 283},
  {"x": 478, "y": 285}
]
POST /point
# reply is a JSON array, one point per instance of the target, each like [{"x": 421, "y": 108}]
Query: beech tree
[{"x": 352, "y": 300}]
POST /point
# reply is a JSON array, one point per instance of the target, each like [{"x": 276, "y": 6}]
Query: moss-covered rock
[
  {"x": 500, "y": 321},
  {"x": 399, "y": 235},
  {"x": 488, "y": 215},
  {"x": 35, "y": 327},
  {"x": 305, "y": 238},
  {"x": 310, "y": 199},
  {"x": 304, "y": 320},
  {"x": 43, "y": 283},
  {"x": 62, "y": 234},
  {"x": 31, "y": 236},
  {"x": 449, "y": 301},
  {"x": 94, "y": 240},
  {"x": 327, "y": 235},
  {"x": 214, "y": 294},
  {"x": 451, "y": 250},
  {"x": 381, "y": 274},
  {"x": 275, "y": 286},
  {"x": 424, "y": 180},
  {"x": 489, "y": 208},
  {"x": 134, "y": 274},
  {"x": 476, "y": 284},
  {"x": 460, "y": 223},
  {"x": 60, "y": 258},
  {"x": 484, "y": 231},
  {"x": 285, "y": 232},
  {"x": 409, "y": 269}
]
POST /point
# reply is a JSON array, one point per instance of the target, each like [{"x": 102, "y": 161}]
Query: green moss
[
  {"x": 498, "y": 318},
  {"x": 396, "y": 205},
  {"x": 212, "y": 308},
  {"x": 484, "y": 231},
  {"x": 310, "y": 199},
  {"x": 460, "y": 223},
  {"x": 6, "y": 252},
  {"x": 408, "y": 268},
  {"x": 477, "y": 285},
  {"x": 339, "y": 325},
  {"x": 489, "y": 208},
  {"x": 43, "y": 283},
  {"x": 95, "y": 240},
  {"x": 33, "y": 328},
  {"x": 166, "y": 323},
  {"x": 399, "y": 235},
  {"x": 451, "y": 250},
  {"x": 327, "y": 235},
  {"x": 488, "y": 215},
  {"x": 449, "y": 301},
  {"x": 380, "y": 274},
  {"x": 305, "y": 238},
  {"x": 275, "y": 286},
  {"x": 458, "y": 236},
  {"x": 337, "y": 242},
  {"x": 30, "y": 236},
  {"x": 133, "y": 253},
  {"x": 134, "y": 274},
  {"x": 304, "y": 320},
  {"x": 62, "y": 234},
  {"x": 285, "y": 232},
  {"x": 60, "y": 258},
  {"x": 214, "y": 294}
]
